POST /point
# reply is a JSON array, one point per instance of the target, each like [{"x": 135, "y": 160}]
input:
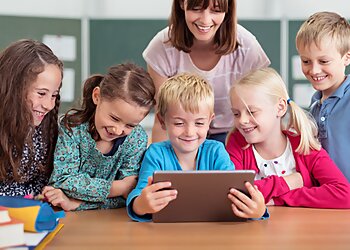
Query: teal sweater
[{"x": 82, "y": 172}]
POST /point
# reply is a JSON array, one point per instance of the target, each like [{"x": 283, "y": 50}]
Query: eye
[
  {"x": 324, "y": 61},
  {"x": 129, "y": 126},
  {"x": 116, "y": 119},
  {"x": 41, "y": 93},
  {"x": 199, "y": 124},
  {"x": 178, "y": 124},
  {"x": 305, "y": 61}
]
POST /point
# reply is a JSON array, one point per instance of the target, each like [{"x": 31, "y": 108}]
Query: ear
[
  {"x": 96, "y": 95},
  {"x": 211, "y": 118},
  {"x": 281, "y": 107},
  {"x": 161, "y": 120},
  {"x": 347, "y": 58}
]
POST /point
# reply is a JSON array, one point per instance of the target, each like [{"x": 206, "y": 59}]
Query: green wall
[{"x": 14, "y": 28}]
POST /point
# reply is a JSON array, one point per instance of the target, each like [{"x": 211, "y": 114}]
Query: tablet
[{"x": 202, "y": 195}]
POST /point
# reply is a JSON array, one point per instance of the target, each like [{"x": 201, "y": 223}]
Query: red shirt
[{"x": 324, "y": 184}]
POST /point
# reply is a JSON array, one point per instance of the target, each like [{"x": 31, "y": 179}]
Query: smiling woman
[
  {"x": 30, "y": 76},
  {"x": 203, "y": 38}
]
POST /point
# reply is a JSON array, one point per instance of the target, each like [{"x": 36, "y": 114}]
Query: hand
[
  {"x": 246, "y": 207},
  {"x": 123, "y": 187},
  {"x": 57, "y": 198},
  {"x": 152, "y": 198},
  {"x": 294, "y": 181}
]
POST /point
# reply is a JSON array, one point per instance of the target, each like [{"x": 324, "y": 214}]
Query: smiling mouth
[
  {"x": 38, "y": 113},
  {"x": 248, "y": 130},
  {"x": 318, "y": 78},
  {"x": 204, "y": 28}
]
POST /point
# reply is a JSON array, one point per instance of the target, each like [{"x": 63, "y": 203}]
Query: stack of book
[
  {"x": 12, "y": 233},
  {"x": 11, "y": 230}
]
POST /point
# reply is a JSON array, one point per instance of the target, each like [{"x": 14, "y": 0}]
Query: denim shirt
[{"x": 333, "y": 119}]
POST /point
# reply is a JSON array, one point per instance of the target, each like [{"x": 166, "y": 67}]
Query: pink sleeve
[
  {"x": 330, "y": 190},
  {"x": 270, "y": 187}
]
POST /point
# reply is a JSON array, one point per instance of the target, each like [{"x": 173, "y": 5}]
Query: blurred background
[{"x": 91, "y": 35}]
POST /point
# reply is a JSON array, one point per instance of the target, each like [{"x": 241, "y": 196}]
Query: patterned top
[
  {"x": 84, "y": 173},
  {"x": 32, "y": 179},
  {"x": 167, "y": 61}
]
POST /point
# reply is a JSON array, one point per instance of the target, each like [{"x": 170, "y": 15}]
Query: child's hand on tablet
[
  {"x": 154, "y": 197},
  {"x": 246, "y": 207}
]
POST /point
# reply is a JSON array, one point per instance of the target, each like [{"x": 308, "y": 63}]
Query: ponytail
[{"x": 304, "y": 125}]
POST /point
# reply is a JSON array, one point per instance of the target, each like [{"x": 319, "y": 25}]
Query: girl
[
  {"x": 30, "y": 77},
  {"x": 203, "y": 38},
  {"x": 101, "y": 144},
  {"x": 275, "y": 137}
]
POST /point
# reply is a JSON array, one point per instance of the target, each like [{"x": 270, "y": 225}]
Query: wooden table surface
[{"x": 288, "y": 228}]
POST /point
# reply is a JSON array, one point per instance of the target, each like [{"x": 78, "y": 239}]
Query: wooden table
[{"x": 288, "y": 228}]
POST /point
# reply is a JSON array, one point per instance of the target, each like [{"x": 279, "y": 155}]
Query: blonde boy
[
  {"x": 323, "y": 43},
  {"x": 185, "y": 110}
]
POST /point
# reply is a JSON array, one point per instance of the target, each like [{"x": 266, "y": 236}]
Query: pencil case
[{"x": 36, "y": 215}]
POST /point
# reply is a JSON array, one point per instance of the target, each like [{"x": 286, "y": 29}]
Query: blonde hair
[
  {"x": 185, "y": 89},
  {"x": 295, "y": 119},
  {"x": 325, "y": 24}
]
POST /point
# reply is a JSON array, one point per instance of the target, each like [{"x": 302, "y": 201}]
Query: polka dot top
[{"x": 281, "y": 166}]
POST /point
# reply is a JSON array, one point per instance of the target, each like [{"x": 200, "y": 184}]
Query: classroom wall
[
  {"x": 273, "y": 22},
  {"x": 158, "y": 9}
]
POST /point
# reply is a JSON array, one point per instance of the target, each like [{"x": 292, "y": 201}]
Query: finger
[
  {"x": 150, "y": 180},
  {"x": 239, "y": 213},
  {"x": 241, "y": 196},
  {"x": 239, "y": 204},
  {"x": 46, "y": 189},
  {"x": 164, "y": 193},
  {"x": 159, "y": 185},
  {"x": 159, "y": 204}
]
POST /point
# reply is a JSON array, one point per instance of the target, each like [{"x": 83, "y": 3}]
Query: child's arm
[
  {"x": 123, "y": 187},
  {"x": 71, "y": 174},
  {"x": 153, "y": 198},
  {"x": 57, "y": 198},
  {"x": 330, "y": 188},
  {"x": 155, "y": 159}
]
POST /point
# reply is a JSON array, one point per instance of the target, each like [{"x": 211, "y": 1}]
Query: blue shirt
[
  {"x": 333, "y": 119},
  {"x": 161, "y": 156}
]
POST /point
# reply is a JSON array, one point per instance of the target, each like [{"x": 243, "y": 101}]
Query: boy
[
  {"x": 323, "y": 43},
  {"x": 185, "y": 110}
]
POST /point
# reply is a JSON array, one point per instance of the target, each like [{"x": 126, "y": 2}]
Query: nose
[
  {"x": 118, "y": 130},
  {"x": 315, "y": 68},
  {"x": 190, "y": 130},
  {"x": 206, "y": 16},
  {"x": 49, "y": 103},
  {"x": 244, "y": 119}
]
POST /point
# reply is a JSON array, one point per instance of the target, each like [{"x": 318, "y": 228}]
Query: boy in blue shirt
[
  {"x": 323, "y": 43},
  {"x": 185, "y": 110}
]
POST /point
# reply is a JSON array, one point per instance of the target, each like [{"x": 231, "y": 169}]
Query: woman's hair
[
  {"x": 127, "y": 82},
  {"x": 325, "y": 25},
  {"x": 20, "y": 64},
  {"x": 185, "y": 89},
  {"x": 226, "y": 36},
  {"x": 296, "y": 120}
]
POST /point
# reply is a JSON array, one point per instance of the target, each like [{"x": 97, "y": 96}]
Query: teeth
[
  {"x": 247, "y": 130},
  {"x": 319, "y": 78},
  {"x": 38, "y": 113},
  {"x": 204, "y": 28}
]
